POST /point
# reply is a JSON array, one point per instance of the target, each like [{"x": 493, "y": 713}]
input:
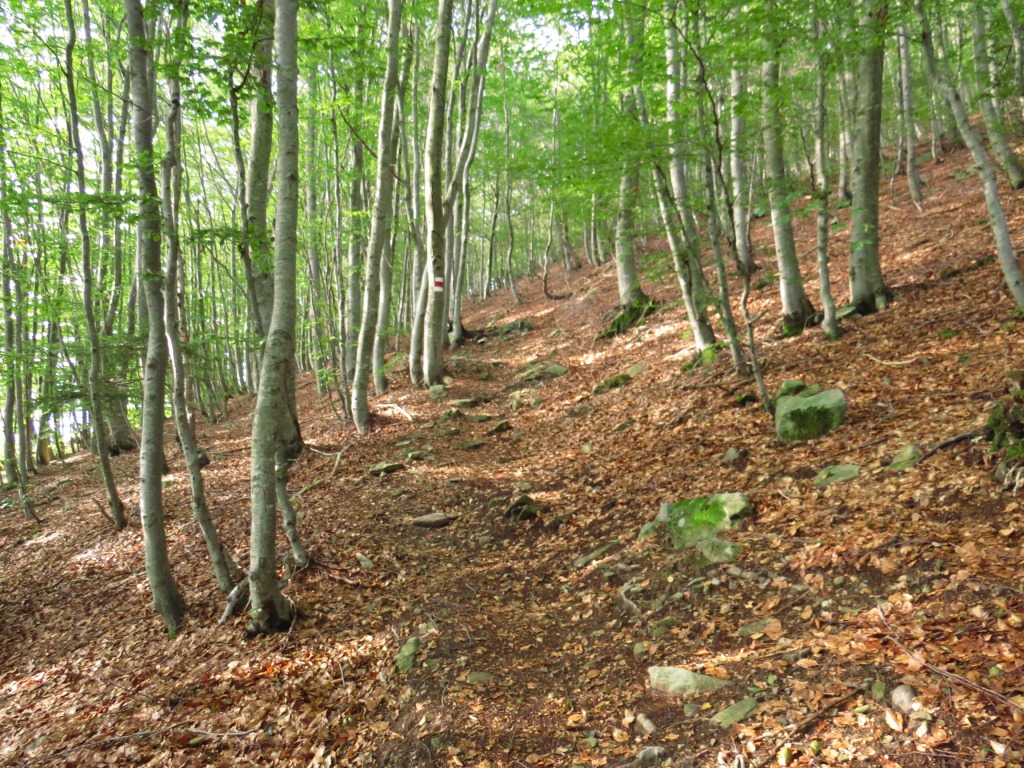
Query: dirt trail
[{"x": 529, "y": 654}]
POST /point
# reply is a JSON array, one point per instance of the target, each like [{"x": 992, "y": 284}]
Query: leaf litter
[{"x": 534, "y": 636}]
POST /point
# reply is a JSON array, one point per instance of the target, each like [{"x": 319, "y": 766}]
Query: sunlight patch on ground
[
  {"x": 590, "y": 358},
  {"x": 44, "y": 539}
]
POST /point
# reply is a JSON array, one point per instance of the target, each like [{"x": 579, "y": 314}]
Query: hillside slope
[{"x": 535, "y": 636}]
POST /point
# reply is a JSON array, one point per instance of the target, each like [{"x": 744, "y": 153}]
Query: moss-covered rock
[
  {"x": 612, "y": 382},
  {"x": 806, "y": 418}
]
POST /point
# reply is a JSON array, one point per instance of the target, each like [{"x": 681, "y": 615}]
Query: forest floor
[{"x": 536, "y": 635}]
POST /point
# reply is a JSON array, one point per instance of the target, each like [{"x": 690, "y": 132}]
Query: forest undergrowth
[{"x": 535, "y": 635}]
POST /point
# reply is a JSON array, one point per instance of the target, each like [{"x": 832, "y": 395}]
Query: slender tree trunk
[
  {"x": 907, "y": 108},
  {"x": 797, "y": 309},
  {"x": 630, "y": 292},
  {"x": 829, "y": 323},
  {"x": 740, "y": 214},
  {"x": 114, "y": 503},
  {"x": 943, "y": 82},
  {"x": 868, "y": 291},
  {"x": 1008, "y": 159},
  {"x": 270, "y": 610},
  {"x": 224, "y": 569},
  {"x": 166, "y": 598},
  {"x": 1017, "y": 37},
  {"x": 380, "y": 226}
]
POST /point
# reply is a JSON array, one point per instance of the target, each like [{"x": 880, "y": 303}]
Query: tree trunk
[
  {"x": 270, "y": 610},
  {"x": 943, "y": 83},
  {"x": 114, "y": 503},
  {"x": 380, "y": 225},
  {"x": 829, "y": 323},
  {"x": 224, "y": 569},
  {"x": 797, "y": 310},
  {"x": 166, "y": 598},
  {"x": 907, "y": 108},
  {"x": 868, "y": 291},
  {"x": 1008, "y": 159}
]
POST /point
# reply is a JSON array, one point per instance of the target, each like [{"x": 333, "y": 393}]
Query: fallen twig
[
  {"x": 892, "y": 362},
  {"x": 978, "y": 432},
  {"x": 959, "y": 679}
]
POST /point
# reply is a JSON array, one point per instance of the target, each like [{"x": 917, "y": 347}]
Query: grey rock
[
  {"x": 645, "y": 725},
  {"x": 739, "y": 711},
  {"x": 364, "y": 561},
  {"x": 479, "y": 678},
  {"x": 386, "y": 468},
  {"x": 522, "y": 507},
  {"x": 555, "y": 370},
  {"x": 649, "y": 757},
  {"x": 789, "y": 388},
  {"x": 438, "y": 392},
  {"x": 677, "y": 681},
  {"x": 838, "y": 473},
  {"x": 806, "y": 418},
  {"x": 907, "y": 457},
  {"x": 468, "y": 445},
  {"x": 406, "y": 657},
  {"x": 902, "y": 698},
  {"x": 501, "y": 426},
  {"x": 432, "y": 520},
  {"x": 636, "y": 370},
  {"x": 468, "y": 402}
]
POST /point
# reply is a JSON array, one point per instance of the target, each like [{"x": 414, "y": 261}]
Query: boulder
[
  {"x": 676, "y": 681},
  {"x": 838, "y": 473},
  {"x": 807, "y": 418}
]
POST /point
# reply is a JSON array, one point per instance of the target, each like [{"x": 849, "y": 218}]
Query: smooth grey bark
[
  {"x": 166, "y": 597},
  {"x": 114, "y": 504},
  {"x": 257, "y": 232},
  {"x": 829, "y": 323},
  {"x": 224, "y": 569},
  {"x": 630, "y": 292},
  {"x": 436, "y": 218},
  {"x": 797, "y": 310},
  {"x": 868, "y": 291},
  {"x": 510, "y": 252},
  {"x": 1017, "y": 38},
  {"x": 270, "y": 609},
  {"x": 907, "y": 109},
  {"x": 1008, "y": 159},
  {"x": 738, "y": 129},
  {"x": 440, "y": 202},
  {"x": 380, "y": 223},
  {"x": 942, "y": 81},
  {"x": 355, "y": 258}
]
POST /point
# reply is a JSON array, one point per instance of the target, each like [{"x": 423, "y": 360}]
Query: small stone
[
  {"x": 902, "y": 698},
  {"x": 478, "y": 678},
  {"x": 739, "y": 711},
  {"x": 468, "y": 402},
  {"x": 906, "y": 458},
  {"x": 645, "y": 725},
  {"x": 555, "y": 370},
  {"x": 438, "y": 393},
  {"x": 385, "y": 468},
  {"x": 639, "y": 649},
  {"x": 432, "y": 520},
  {"x": 479, "y": 418},
  {"x": 838, "y": 581},
  {"x": 691, "y": 709},
  {"x": 878, "y": 690},
  {"x": 523, "y": 485},
  {"x": 838, "y": 473},
  {"x": 649, "y": 757},
  {"x": 418, "y": 456},
  {"x": 522, "y": 507},
  {"x": 637, "y": 369},
  {"x": 497, "y": 429},
  {"x": 407, "y": 656},
  {"x": 364, "y": 561},
  {"x": 468, "y": 445}
]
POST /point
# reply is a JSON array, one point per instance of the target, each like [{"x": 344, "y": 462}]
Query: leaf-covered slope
[{"x": 535, "y": 636}]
